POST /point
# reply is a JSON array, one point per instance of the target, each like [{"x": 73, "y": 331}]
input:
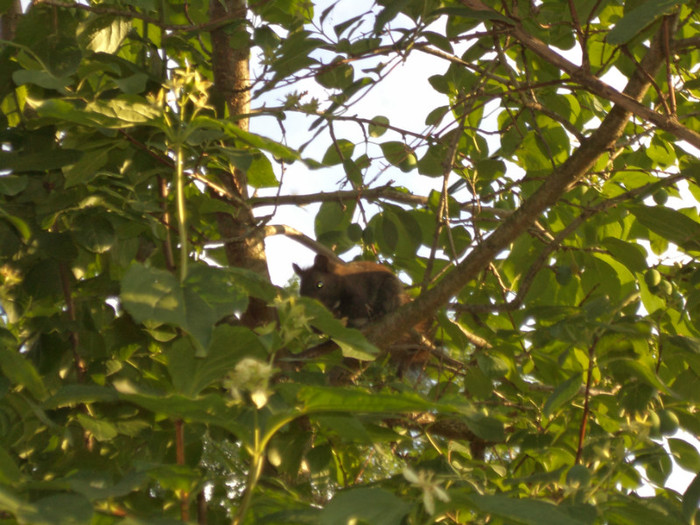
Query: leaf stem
[
  {"x": 181, "y": 212},
  {"x": 256, "y": 465}
]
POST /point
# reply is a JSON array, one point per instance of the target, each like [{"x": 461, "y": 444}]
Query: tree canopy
[{"x": 543, "y": 217}]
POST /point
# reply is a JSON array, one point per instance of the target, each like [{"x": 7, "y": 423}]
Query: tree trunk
[
  {"x": 8, "y": 21},
  {"x": 244, "y": 243}
]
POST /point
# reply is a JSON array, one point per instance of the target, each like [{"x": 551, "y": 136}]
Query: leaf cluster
[{"x": 562, "y": 382}]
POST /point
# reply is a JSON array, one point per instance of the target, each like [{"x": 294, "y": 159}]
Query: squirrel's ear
[
  {"x": 322, "y": 263},
  {"x": 297, "y": 270}
]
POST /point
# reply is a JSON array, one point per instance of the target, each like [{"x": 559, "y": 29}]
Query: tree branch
[
  {"x": 373, "y": 194},
  {"x": 560, "y": 180},
  {"x": 288, "y": 231},
  {"x": 527, "y": 280},
  {"x": 625, "y": 101}
]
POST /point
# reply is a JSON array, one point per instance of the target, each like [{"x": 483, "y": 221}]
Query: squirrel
[{"x": 359, "y": 291}]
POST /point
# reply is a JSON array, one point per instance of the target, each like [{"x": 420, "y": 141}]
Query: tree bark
[
  {"x": 8, "y": 21},
  {"x": 245, "y": 246}
]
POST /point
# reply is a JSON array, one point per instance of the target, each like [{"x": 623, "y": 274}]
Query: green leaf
[
  {"x": 365, "y": 505},
  {"x": 253, "y": 283},
  {"x": 86, "y": 169},
  {"x": 477, "y": 383},
  {"x": 21, "y": 372},
  {"x": 486, "y": 427},
  {"x": 10, "y": 501},
  {"x": 192, "y": 374},
  {"x": 397, "y": 153},
  {"x": 685, "y": 454},
  {"x": 691, "y": 499},
  {"x": 339, "y": 29},
  {"x": 348, "y": 428},
  {"x": 630, "y": 511},
  {"x": 209, "y": 294},
  {"x": 632, "y": 255},
  {"x": 133, "y": 84},
  {"x": 260, "y": 173},
  {"x": 100, "y": 485},
  {"x": 101, "y": 429},
  {"x": 433, "y": 162},
  {"x": 378, "y": 126},
  {"x": 334, "y": 218},
  {"x": 339, "y": 151},
  {"x": 639, "y": 370},
  {"x": 19, "y": 225},
  {"x": 319, "y": 399},
  {"x": 93, "y": 231},
  {"x": 9, "y": 471},
  {"x": 35, "y": 161},
  {"x": 257, "y": 141},
  {"x": 670, "y": 224},
  {"x": 336, "y": 76},
  {"x": 351, "y": 342},
  {"x": 352, "y": 171},
  {"x": 562, "y": 394},
  {"x": 59, "y": 509},
  {"x": 62, "y": 110},
  {"x": 523, "y": 511},
  {"x": 209, "y": 409},
  {"x": 397, "y": 232},
  {"x": 638, "y": 18},
  {"x": 438, "y": 40},
  {"x": 126, "y": 110},
  {"x": 150, "y": 294},
  {"x": 74, "y": 395},
  {"x": 42, "y": 79},
  {"x": 103, "y": 33},
  {"x": 12, "y": 184}
]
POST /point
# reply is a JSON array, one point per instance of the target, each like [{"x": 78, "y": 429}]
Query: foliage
[{"x": 555, "y": 251}]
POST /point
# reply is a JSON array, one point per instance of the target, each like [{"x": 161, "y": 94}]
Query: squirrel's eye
[{"x": 319, "y": 285}]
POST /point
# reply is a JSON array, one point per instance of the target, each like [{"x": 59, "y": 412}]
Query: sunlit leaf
[
  {"x": 258, "y": 141},
  {"x": 370, "y": 505},
  {"x": 638, "y": 18},
  {"x": 99, "y": 428},
  {"x": 685, "y": 454},
  {"x": 150, "y": 294},
  {"x": 562, "y": 394},
  {"x": 103, "y": 34},
  {"x": 670, "y": 224},
  {"x": 378, "y": 126}
]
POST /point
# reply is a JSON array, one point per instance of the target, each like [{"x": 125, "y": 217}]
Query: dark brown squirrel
[{"x": 359, "y": 291}]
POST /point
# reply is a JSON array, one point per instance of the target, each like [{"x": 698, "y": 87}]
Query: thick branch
[
  {"x": 625, "y": 100},
  {"x": 304, "y": 240},
  {"x": 561, "y": 179},
  {"x": 374, "y": 194}
]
